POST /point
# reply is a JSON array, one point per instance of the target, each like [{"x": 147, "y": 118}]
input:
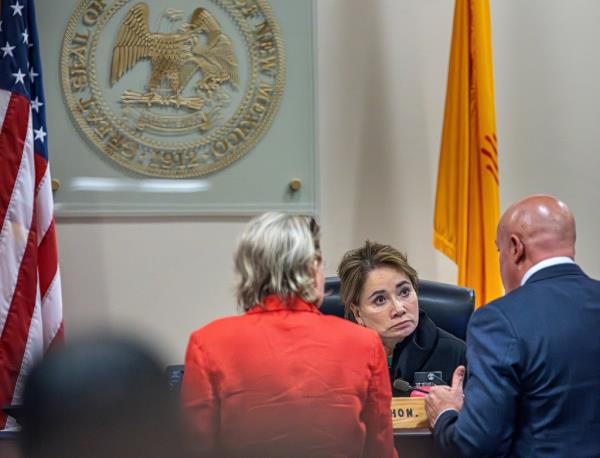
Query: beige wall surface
[{"x": 381, "y": 77}]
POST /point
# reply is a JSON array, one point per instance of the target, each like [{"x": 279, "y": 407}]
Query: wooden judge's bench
[{"x": 412, "y": 436}]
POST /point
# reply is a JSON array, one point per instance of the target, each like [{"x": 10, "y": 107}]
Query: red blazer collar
[{"x": 274, "y": 303}]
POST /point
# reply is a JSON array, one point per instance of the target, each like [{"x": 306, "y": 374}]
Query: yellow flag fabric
[{"x": 467, "y": 204}]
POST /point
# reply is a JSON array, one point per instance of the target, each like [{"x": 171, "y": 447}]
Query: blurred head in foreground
[{"x": 99, "y": 397}]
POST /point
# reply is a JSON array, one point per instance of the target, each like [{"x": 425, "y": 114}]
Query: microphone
[{"x": 405, "y": 387}]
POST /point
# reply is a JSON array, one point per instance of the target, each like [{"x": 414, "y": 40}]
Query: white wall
[
  {"x": 159, "y": 278},
  {"x": 382, "y": 81},
  {"x": 382, "y": 78},
  {"x": 547, "y": 67}
]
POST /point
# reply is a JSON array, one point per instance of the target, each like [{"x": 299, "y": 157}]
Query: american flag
[{"x": 30, "y": 293}]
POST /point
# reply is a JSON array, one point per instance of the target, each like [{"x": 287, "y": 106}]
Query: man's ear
[
  {"x": 356, "y": 312},
  {"x": 517, "y": 249}
]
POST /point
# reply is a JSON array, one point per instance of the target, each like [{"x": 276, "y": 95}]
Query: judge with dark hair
[{"x": 379, "y": 289}]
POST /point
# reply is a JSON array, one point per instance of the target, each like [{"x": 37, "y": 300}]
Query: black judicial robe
[{"x": 428, "y": 348}]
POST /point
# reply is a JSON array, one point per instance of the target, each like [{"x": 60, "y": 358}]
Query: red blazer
[{"x": 285, "y": 380}]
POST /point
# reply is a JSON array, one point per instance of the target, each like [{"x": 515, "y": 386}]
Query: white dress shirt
[{"x": 545, "y": 263}]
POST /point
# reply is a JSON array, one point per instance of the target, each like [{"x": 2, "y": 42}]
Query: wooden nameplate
[{"x": 409, "y": 413}]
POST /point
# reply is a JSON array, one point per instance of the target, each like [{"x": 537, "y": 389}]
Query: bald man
[{"x": 534, "y": 355}]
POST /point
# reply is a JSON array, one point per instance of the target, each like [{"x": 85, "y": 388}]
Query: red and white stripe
[{"x": 30, "y": 294}]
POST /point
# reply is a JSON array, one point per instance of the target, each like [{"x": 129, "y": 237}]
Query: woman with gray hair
[{"x": 275, "y": 381}]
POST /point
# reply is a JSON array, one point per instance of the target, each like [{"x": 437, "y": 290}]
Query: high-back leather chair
[{"x": 449, "y": 306}]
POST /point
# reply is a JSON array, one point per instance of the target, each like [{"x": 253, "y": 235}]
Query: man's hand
[{"x": 443, "y": 397}]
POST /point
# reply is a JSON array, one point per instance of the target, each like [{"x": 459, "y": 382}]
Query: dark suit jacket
[
  {"x": 427, "y": 349},
  {"x": 534, "y": 372}
]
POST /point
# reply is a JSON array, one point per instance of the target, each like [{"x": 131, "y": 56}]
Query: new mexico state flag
[{"x": 467, "y": 204}]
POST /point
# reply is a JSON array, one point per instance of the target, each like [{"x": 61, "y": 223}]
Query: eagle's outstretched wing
[
  {"x": 133, "y": 42},
  {"x": 222, "y": 53}
]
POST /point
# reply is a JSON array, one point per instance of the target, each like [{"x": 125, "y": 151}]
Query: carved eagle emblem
[{"x": 174, "y": 57}]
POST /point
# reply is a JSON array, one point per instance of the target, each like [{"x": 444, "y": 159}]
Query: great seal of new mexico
[{"x": 170, "y": 92}]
